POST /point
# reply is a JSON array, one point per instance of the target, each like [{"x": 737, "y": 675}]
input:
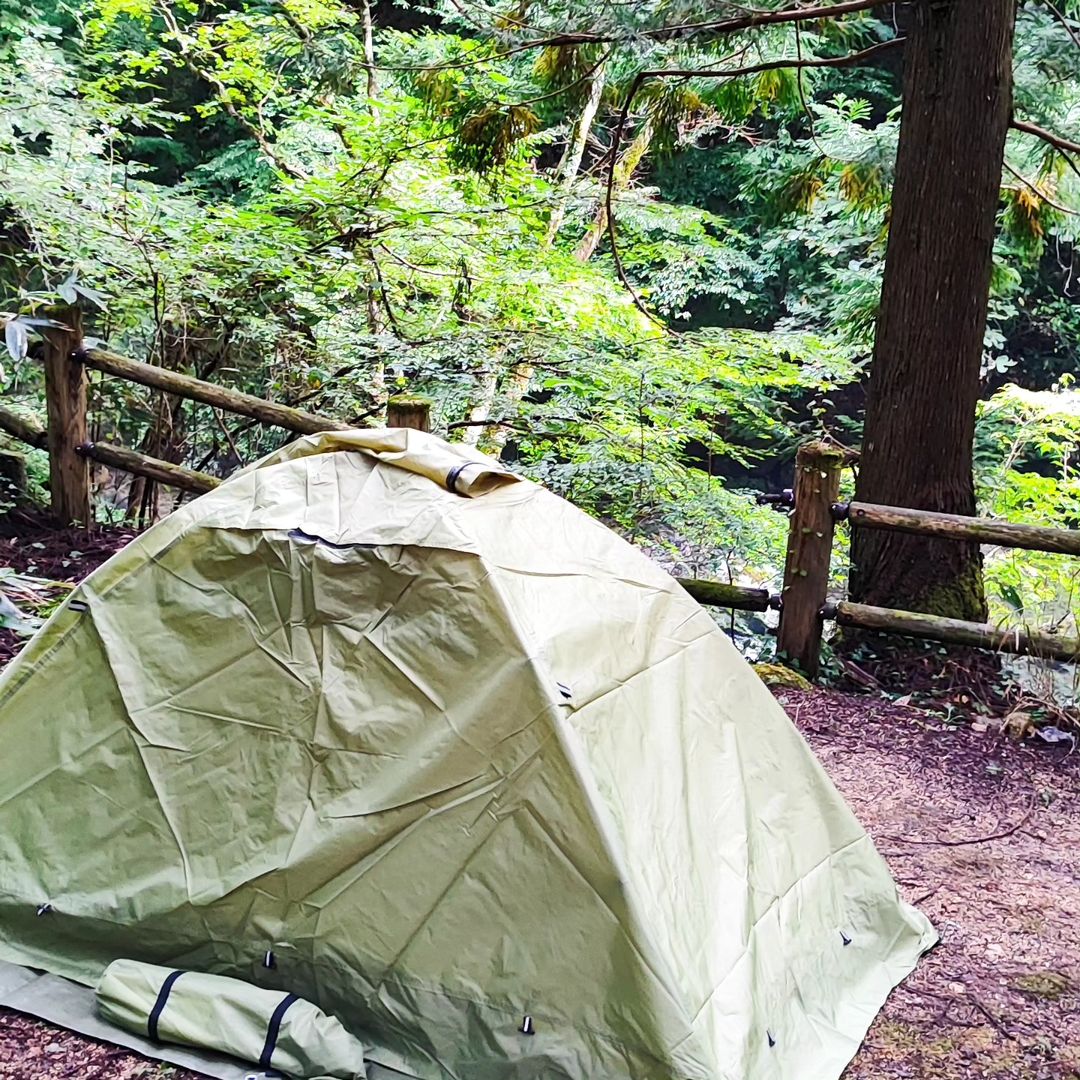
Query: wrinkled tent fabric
[
  {"x": 492, "y": 788},
  {"x": 264, "y": 1027}
]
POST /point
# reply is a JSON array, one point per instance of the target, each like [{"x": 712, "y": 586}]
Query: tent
[{"x": 379, "y": 724}]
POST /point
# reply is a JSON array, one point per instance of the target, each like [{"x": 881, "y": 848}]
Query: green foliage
[
  {"x": 250, "y": 200},
  {"x": 1027, "y": 456},
  {"x": 486, "y": 138}
]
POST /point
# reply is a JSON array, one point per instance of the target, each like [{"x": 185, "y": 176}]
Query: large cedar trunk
[{"x": 924, "y": 381}]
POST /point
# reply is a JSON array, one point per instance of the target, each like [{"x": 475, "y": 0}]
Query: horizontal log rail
[
  {"x": 956, "y": 527},
  {"x": 220, "y": 397},
  {"x": 164, "y": 472},
  {"x": 703, "y": 590},
  {"x": 809, "y": 545},
  {"x": 721, "y": 594},
  {"x": 116, "y": 457},
  {"x": 954, "y": 631},
  {"x": 26, "y": 431}
]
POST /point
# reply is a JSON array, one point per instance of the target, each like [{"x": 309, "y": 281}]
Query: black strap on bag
[
  {"x": 159, "y": 1005},
  {"x": 273, "y": 1029}
]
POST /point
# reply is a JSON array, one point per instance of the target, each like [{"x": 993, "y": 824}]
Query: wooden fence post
[
  {"x": 65, "y": 402},
  {"x": 409, "y": 412},
  {"x": 809, "y": 551}
]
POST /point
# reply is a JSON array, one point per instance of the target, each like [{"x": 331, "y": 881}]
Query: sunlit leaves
[{"x": 486, "y": 138}]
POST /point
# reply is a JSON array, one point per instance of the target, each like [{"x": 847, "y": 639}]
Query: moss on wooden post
[
  {"x": 409, "y": 411},
  {"x": 809, "y": 552}
]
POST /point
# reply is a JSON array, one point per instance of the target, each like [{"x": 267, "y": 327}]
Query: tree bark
[
  {"x": 369, "y": 57},
  {"x": 65, "y": 403},
  {"x": 575, "y": 151},
  {"x": 624, "y": 172},
  {"x": 924, "y": 381}
]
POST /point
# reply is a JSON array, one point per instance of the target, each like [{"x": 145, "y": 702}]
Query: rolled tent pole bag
[{"x": 273, "y": 1030}]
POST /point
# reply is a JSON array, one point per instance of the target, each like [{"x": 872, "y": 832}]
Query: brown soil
[
  {"x": 984, "y": 836},
  {"x": 32, "y": 1050},
  {"x": 56, "y": 554},
  {"x": 981, "y": 833}
]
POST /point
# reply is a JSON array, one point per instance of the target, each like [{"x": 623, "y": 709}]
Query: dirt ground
[{"x": 982, "y": 834}]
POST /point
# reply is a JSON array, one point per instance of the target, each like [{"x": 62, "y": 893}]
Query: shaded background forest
[{"x": 327, "y": 203}]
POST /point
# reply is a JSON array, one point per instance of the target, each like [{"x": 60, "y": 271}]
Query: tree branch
[
  {"x": 1060, "y": 16},
  {"x": 1047, "y": 136},
  {"x": 765, "y": 18},
  {"x": 718, "y": 28},
  {"x": 183, "y": 44},
  {"x": 721, "y": 27},
  {"x": 707, "y": 73},
  {"x": 1039, "y": 192},
  {"x": 1064, "y": 146}
]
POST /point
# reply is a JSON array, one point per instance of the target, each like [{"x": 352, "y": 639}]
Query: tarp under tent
[{"x": 380, "y": 725}]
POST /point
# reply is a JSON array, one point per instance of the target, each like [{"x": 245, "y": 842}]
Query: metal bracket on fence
[
  {"x": 840, "y": 511},
  {"x": 776, "y": 601},
  {"x": 828, "y": 611},
  {"x": 785, "y": 499}
]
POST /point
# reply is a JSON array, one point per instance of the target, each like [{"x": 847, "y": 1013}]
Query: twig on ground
[
  {"x": 1016, "y": 827},
  {"x": 860, "y": 676},
  {"x": 981, "y": 1007}
]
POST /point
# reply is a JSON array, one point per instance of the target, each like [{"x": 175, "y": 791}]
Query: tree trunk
[
  {"x": 624, "y": 172},
  {"x": 575, "y": 151},
  {"x": 924, "y": 381},
  {"x": 369, "y": 57}
]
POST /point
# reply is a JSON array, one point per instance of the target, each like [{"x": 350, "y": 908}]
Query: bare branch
[
  {"x": 1047, "y": 136},
  {"x": 1064, "y": 146},
  {"x": 1039, "y": 192}
]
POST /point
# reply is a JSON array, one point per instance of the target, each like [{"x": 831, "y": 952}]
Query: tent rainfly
[{"x": 380, "y": 725}]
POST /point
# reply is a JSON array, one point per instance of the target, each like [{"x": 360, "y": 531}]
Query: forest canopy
[{"x": 636, "y": 250}]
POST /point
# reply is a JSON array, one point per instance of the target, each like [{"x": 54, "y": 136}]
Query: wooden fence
[
  {"x": 804, "y": 605},
  {"x": 814, "y": 510}
]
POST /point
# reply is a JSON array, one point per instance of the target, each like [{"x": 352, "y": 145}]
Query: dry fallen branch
[
  {"x": 979, "y": 1005},
  {"x": 1014, "y": 828}
]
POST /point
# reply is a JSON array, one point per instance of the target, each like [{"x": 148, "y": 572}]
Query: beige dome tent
[{"x": 379, "y": 725}]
